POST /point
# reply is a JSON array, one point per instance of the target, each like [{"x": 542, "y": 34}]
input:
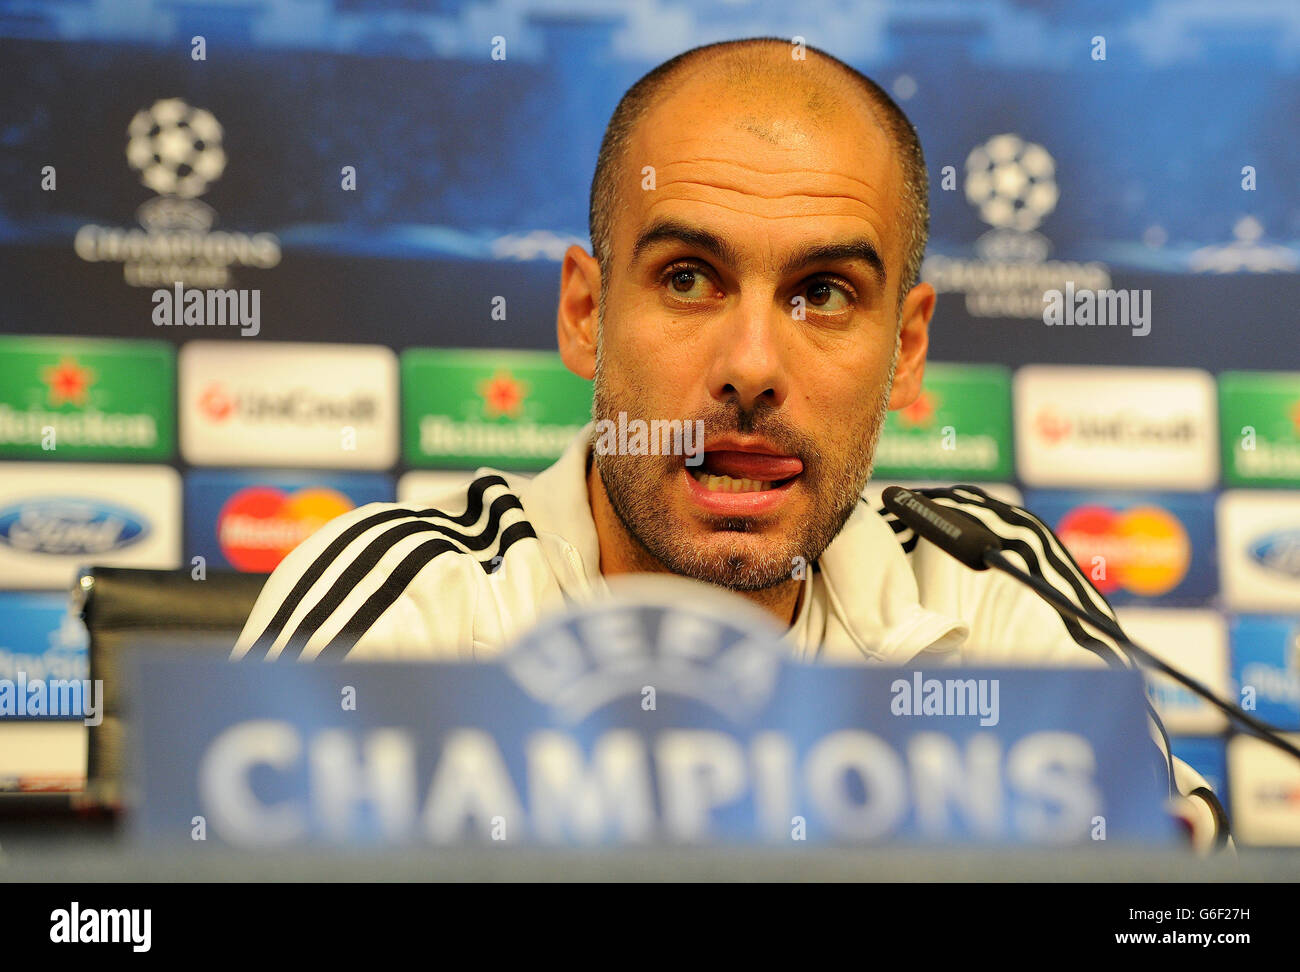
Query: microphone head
[{"x": 954, "y": 532}]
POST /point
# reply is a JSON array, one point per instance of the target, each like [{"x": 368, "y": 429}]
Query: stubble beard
[{"x": 732, "y": 554}]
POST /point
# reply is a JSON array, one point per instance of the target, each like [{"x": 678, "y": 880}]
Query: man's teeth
[{"x": 727, "y": 484}]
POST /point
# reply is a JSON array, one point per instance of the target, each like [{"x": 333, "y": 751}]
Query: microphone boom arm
[{"x": 999, "y": 561}]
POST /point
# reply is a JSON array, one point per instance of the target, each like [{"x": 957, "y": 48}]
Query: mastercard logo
[
  {"x": 259, "y": 525},
  {"x": 1143, "y": 550}
]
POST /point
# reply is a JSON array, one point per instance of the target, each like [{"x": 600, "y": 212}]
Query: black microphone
[
  {"x": 953, "y": 532},
  {"x": 979, "y": 548}
]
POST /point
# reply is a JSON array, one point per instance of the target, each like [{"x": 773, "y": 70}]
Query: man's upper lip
[{"x": 732, "y": 443}]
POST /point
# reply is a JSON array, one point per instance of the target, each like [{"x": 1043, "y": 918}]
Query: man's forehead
[
  {"x": 723, "y": 180},
  {"x": 729, "y": 158},
  {"x": 814, "y": 130},
  {"x": 788, "y": 106}
]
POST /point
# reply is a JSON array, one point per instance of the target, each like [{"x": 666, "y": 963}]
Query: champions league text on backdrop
[{"x": 652, "y": 720}]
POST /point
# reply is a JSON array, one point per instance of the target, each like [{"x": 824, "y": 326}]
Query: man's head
[{"x": 758, "y": 222}]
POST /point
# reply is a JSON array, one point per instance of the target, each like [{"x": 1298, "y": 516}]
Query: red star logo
[
  {"x": 68, "y": 382},
  {"x": 921, "y": 411},
  {"x": 502, "y": 395},
  {"x": 1295, "y": 417}
]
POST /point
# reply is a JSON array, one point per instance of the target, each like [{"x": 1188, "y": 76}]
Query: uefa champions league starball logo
[
  {"x": 176, "y": 148},
  {"x": 658, "y": 633},
  {"x": 1011, "y": 182}
]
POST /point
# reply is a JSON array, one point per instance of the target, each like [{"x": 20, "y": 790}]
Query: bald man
[{"x": 758, "y": 221}]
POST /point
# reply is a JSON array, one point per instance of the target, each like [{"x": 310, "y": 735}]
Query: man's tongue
[{"x": 751, "y": 465}]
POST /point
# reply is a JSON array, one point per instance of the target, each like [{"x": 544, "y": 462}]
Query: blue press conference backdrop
[
  {"x": 472, "y": 173},
  {"x": 381, "y": 172}
]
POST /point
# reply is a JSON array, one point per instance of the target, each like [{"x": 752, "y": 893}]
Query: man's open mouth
[{"x": 739, "y": 471}]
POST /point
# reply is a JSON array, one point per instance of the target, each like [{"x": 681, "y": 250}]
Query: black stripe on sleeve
[
  {"x": 1113, "y": 652},
  {"x": 1057, "y": 555},
  {"x": 1063, "y": 566},
  {"x": 309, "y": 577},
  {"x": 895, "y": 524},
  {"x": 1222, "y": 826},
  {"x": 1008, "y": 514},
  {"x": 366, "y": 561},
  {"x": 396, "y": 582}
]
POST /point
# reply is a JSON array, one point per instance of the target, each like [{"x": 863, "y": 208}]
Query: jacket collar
[
  {"x": 874, "y": 606},
  {"x": 557, "y": 505}
]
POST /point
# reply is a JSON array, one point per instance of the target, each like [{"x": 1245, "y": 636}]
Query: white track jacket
[{"x": 462, "y": 575}]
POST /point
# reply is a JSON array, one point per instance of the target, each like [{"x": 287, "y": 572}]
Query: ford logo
[
  {"x": 69, "y": 526},
  {"x": 1279, "y": 551}
]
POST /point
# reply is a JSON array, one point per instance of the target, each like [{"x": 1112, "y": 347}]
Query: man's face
[{"x": 719, "y": 307}]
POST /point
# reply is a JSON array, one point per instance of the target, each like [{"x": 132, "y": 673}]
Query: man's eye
[
  {"x": 828, "y": 296},
  {"x": 687, "y": 282}
]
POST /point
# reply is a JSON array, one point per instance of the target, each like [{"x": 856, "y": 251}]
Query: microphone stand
[{"x": 999, "y": 561}]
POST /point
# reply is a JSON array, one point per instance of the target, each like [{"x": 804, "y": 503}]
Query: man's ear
[
  {"x": 914, "y": 338},
  {"x": 575, "y": 320}
]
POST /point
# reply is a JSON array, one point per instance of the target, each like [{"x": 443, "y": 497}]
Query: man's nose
[{"x": 748, "y": 361}]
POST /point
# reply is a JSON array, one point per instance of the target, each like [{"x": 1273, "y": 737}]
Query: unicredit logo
[
  {"x": 1119, "y": 429},
  {"x": 297, "y": 406},
  {"x": 216, "y": 404},
  {"x": 1052, "y": 426}
]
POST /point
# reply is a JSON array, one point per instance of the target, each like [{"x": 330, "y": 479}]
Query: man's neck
[{"x": 621, "y": 553}]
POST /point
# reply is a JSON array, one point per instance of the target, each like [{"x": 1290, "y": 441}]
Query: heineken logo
[
  {"x": 67, "y": 382},
  {"x": 1261, "y": 427},
  {"x": 512, "y": 409},
  {"x": 959, "y": 426},
  {"x": 920, "y": 414},
  {"x": 1269, "y": 460},
  {"x": 940, "y": 454},
  {"x": 440, "y": 435},
  {"x": 503, "y": 395},
  {"x": 85, "y": 398}
]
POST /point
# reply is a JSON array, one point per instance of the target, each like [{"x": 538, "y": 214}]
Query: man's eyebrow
[
  {"x": 660, "y": 230},
  {"x": 677, "y": 231},
  {"x": 861, "y": 249}
]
